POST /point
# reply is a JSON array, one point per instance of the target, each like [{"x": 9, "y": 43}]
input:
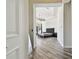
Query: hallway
[{"x": 49, "y": 48}]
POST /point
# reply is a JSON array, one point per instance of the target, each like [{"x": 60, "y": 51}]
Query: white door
[{"x": 16, "y": 32}]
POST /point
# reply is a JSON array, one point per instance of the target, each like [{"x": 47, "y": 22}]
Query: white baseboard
[
  {"x": 61, "y": 44},
  {"x": 67, "y": 46}
]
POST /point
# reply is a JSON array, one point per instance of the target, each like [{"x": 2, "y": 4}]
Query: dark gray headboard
[{"x": 50, "y": 30}]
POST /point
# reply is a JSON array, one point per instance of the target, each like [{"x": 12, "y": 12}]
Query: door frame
[{"x": 34, "y": 21}]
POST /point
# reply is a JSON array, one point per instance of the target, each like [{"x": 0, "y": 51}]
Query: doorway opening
[
  {"x": 48, "y": 21},
  {"x": 48, "y": 31}
]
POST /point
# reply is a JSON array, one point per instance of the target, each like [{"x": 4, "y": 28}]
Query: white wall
[
  {"x": 50, "y": 16},
  {"x": 67, "y": 26},
  {"x": 52, "y": 23},
  {"x": 60, "y": 26}
]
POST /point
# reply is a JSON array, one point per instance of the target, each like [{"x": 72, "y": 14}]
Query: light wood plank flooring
[{"x": 49, "y": 48}]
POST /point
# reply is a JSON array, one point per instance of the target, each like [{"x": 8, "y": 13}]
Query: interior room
[
  {"x": 46, "y": 21},
  {"x": 48, "y": 32},
  {"x": 38, "y": 29}
]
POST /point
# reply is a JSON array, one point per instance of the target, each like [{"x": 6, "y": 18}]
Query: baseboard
[
  {"x": 61, "y": 44},
  {"x": 30, "y": 53},
  {"x": 67, "y": 46}
]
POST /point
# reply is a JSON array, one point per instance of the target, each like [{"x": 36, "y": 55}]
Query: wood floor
[{"x": 49, "y": 48}]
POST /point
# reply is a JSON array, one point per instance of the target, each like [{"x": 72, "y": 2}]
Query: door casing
[{"x": 34, "y": 21}]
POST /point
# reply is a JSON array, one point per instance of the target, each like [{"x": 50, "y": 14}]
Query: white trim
[
  {"x": 63, "y": 24},
  {"x": 12, "y": 50},
  {"x": 29, "y": 46},
  {"x": 61, "y": 44},
  {"x": 12, "y": 36},
  {"x": 66, "y": 1},
  {"x": 46, "y": 5},
  {"x": 34, "y": 26},
  {"x": 67, "y": 46}
]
